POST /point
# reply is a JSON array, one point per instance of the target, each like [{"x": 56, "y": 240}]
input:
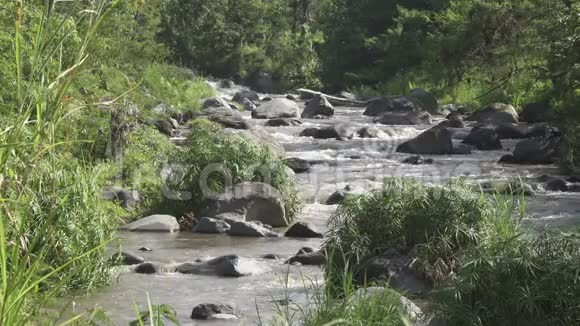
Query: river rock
[
  {"x": 227, "y": 83},
  {"x": 127, "y": 198},
  {"x": 283, "y": 122},
  {"x": 538, "y": 112},
  {"x": 211, "y": 226},
  {"x": 410, "y": 118},
  {"x": 371, "y": 132},
  {"x": 291, "y": 97},
  {"x": 163, "y": 126},
  {"x": 207, "y": 310},
  {"x": 496, "y": 113},
  {"x": 145, "y": 249},
  {"x": 304, "y": 250},
  {"x": 392, "y": 268},
  {"x": 250, "y": 229},
  {"x": 453, "y": 121},
  {"x": 318, "y": 107},
  {"x": 125, "y": 258},
  {"x": 461, "y": 149},
  {"x": 418, "y": 160},
  {"x": 250, "y": 95},
  {"x": 270, "y": 257},
  {"x": 534, "y": 151},
  {"x": 227, "y": 117},
  {"x": 557, "y": 184},
  {"x": 381, "y": 105},
  {"x": 338, "y": 197},
  {"x": 435, "y": 141},
  {"x": 427, "y": 100},
  {"x": 302, "y": 230},
  {"x": 225, "y": 266},
  {"x": 146, "y": 268},
  {"x": 297, "y": 165},
  {"x": 308, "y": 259},
  {"x": 339, "y": 132},
  {"x": 254, "y": 200},
  {"x": 248, "y": 105},
  {"x": 153, "y": 223},
  {"x": 483, "y": 139},
  {"x": 215, "y": 102},
  {"x": 276, "y": 108}
]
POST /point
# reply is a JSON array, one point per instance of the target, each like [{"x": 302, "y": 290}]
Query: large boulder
[
  {"x": 276, "y": 108},
  {"x": 225, "y": 266},
  {"x": 250, "y": 95},
  {"x": 483, "y": 139},
  {"x": 427, "y": 100},
  {"x": 538, "y": 112},
  {"x": 128, "y": 199},
  {"x": 410, "y": 118},
  {"x": 283, "y": 122},
  {"x": 153, "y": 223},
  {"x": 254, "y": 200},
  {"x": 302, "y": 230},
  {"x": 318, "y": 107},
  {"x": 251, "y": 229},
  {"x": 206, "y": 311},
  {"x": 495, "y": 113},
  {"x": 339, "y": 132},
  {"x": 227, "y": 117},
  {"x": 435, "y": 141},
  {"x": 381, "y": 105},
  {"x": 211, "y": 225},
  {"x": 534, "y": 151}
]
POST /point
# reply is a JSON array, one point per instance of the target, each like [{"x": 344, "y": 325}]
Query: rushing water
[{"x": 361, "y": 163}]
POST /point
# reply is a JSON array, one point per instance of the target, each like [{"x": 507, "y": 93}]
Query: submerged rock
[
  {"x": 283, "y": 122},
  {"x": 146, "y": 268},
  {"x": 418, "y": 160},
  {"x": 410, "y": 118},
  {"x": 339, "y": 132},
  {"x": 207, "y": 310},
  {"x": 250, "y": 229},
  {"x": 225, "y": 266},
  {"x": 303, "y": 230},
  {"x": 308, "y": 259},
  {"x": 297, "y": 165},
  {"x": 211, "y": 225}
]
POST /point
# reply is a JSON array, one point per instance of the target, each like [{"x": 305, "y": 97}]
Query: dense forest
[{"x": 87, "y": 88}]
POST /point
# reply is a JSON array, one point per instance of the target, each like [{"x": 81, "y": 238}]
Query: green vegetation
[
  {"x": 470, "y": 246},
  {"x": 236, "y": 159}
]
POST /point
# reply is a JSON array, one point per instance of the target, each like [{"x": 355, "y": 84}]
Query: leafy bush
[
  {"x": 147, "y": 152},
  {"x": 432, "y": 225},
  {"x": 240, "y": 159}
]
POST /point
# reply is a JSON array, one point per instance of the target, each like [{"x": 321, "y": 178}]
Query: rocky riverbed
[{"x": 346, "y": 152}]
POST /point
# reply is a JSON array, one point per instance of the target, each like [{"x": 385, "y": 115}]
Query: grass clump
[
  {"x": 430, "y": 225},
  {"x": 235, "y": 159}
]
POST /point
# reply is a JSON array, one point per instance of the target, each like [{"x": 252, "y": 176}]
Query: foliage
[
  {"x": 147, "y": 153},
  {"x": 234, "y": 159},
  {"x": 433, "y": 224},
  {"x": 243, "y": 38},
  {"x": 536, "y": 280}
]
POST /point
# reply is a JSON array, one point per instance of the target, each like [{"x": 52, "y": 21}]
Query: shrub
[
  {"x": 433, "y": 225},
  {"x": 517, "y": 281},
  {"x": 147, "y": 152},
  {"x": 240, "y": 159}
]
